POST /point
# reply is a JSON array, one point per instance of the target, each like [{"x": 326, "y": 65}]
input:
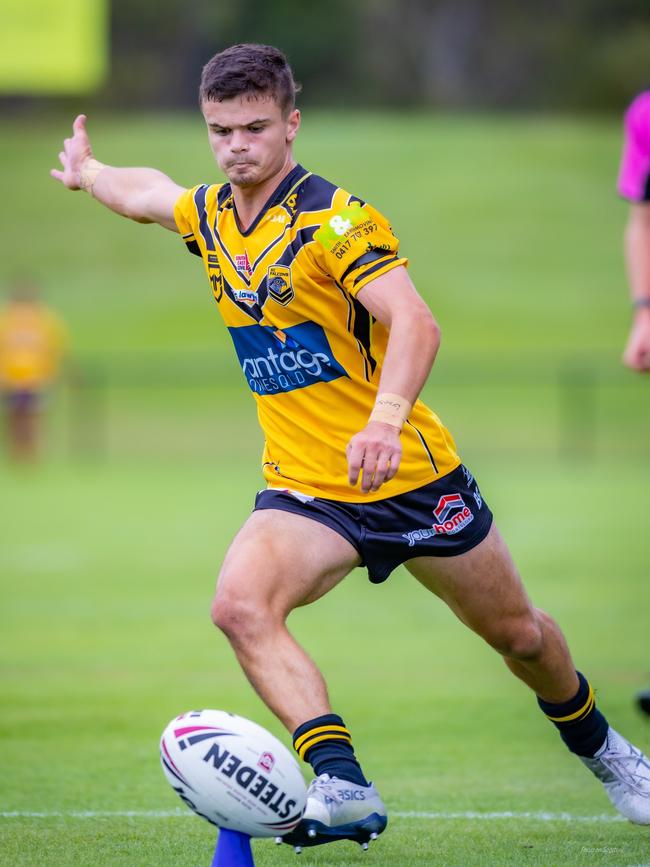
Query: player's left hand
[{"x": 375, "y": 452}]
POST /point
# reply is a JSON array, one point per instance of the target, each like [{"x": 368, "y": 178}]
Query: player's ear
[{"x": 293, "y": 125}]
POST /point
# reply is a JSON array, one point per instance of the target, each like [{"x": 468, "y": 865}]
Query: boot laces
[
  {"x": 629, "y": 767},
  {"x": 326, "y": 786}
]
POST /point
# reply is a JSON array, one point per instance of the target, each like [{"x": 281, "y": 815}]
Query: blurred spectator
[
  {"x": 32, "y": 340},
  {"x": 634, "y": 185}
]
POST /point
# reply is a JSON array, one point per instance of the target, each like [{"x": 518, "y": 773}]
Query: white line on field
[{"x": 181, "y": 814}]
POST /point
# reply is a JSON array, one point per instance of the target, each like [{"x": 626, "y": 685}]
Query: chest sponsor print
[{"x": 273, "y": 366}]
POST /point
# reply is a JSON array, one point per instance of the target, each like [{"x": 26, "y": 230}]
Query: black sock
[
  {"x": 582, "y": 727},
  {"x": 326, "y": 744}
]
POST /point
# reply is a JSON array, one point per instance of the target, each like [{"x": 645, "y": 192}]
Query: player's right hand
[
  {"x": 637, "y": 351},
  {"x": 375, "y": 452},
  {"x": 76, "y": 151}
]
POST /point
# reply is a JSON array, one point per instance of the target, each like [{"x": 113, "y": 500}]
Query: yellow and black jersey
[{"x": 309, "y": 350}]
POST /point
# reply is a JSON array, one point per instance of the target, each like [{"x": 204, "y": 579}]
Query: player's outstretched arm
[
  {"x": 413, "y": 342},
  {"x": 637, "y": 257},
  {"x": 141, "y": 194}
]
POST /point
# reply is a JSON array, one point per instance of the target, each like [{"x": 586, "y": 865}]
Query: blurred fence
[{"x": 159, "y": 409}]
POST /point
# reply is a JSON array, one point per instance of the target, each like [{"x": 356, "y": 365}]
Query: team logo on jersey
[
  {"x": 242, "y": 263},
  {"x": 273, "y": 368},
  {"x": 451, "y": 514},
  {"x": 278, "y": 281}
]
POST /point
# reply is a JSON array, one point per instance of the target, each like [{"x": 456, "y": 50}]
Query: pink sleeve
[{"x": 634, "y": 173}]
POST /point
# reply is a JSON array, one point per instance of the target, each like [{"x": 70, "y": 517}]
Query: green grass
[
  {"x": 107, "y": 636},
  {"x": 108, "y": 557}
]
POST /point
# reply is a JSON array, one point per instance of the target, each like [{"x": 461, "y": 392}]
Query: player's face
[{"x": 250, "y": 137}]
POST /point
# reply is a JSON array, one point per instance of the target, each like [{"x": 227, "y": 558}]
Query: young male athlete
[
  {"x": 336, "y": 344},
  {"x": 634, "y": 185}
]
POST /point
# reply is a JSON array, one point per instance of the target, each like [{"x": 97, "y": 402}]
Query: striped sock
[
  {"x": 582, "y": 727},
  {"x": 326, "y": 744}
]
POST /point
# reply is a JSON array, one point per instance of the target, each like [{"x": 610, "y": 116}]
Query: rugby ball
[{"x": 233, "y": 773}]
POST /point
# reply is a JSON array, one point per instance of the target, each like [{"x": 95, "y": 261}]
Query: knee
[
  {"x": 521, "y": 639},
  {"x": 237, "y": 617}
]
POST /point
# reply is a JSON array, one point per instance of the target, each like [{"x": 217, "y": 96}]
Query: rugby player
[
  {"x": 32, "y": 342},
  {"x": 335, "y": 344},
  {"x": 634, "y": 185}
]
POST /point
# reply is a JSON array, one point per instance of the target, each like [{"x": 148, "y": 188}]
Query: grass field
[{"x": 107, "y": 559}]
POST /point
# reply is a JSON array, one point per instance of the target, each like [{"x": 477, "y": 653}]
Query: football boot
[
  {"x": 624, "y": 771},
  {"x": 338, "y": 810}
]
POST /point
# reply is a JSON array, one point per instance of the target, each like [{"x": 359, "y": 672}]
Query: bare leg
[
  {"x": 22, "y": 425},
  {"x": 277, "y": 562},
  {"x": 483, "y": 588}
]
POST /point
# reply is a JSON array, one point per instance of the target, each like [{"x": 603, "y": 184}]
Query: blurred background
[{"x": 490, "y": 134}]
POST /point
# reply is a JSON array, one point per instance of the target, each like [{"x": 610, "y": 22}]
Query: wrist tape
[
  {"x": 88, "y": 172},
  {"x": 391, "y": 409}
]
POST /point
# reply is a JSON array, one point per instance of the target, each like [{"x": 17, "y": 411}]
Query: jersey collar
[{"x": 277, "y": 197}]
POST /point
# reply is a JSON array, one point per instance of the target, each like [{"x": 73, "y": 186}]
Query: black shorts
[{"x": 442, "y": 519}]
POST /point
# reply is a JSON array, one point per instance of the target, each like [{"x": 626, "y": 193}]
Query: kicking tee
[
  {"x": 310, "y": 352},
  {"x": 634, "y": 174}
]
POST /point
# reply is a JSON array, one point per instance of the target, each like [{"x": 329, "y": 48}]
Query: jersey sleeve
[
  {"x": 355, "y": 245},
  {"x": 188, "y": 212},
  {"x": 634, "y": 172}
]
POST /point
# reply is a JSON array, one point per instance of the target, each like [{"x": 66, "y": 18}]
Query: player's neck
[{"x": 249, "y": 201}]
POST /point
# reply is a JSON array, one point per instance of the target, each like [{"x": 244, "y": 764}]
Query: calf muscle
[
  {"x": 484, "y": 590},
  {"x": 277, "y": 562}
]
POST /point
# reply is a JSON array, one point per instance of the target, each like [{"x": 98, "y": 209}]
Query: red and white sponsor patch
[{"x": 452, "y": 516}]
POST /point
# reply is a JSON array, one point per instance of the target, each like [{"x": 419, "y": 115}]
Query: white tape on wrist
[
  {"x": 391, "y": 409},
  {"x": 88, "y": 172}
]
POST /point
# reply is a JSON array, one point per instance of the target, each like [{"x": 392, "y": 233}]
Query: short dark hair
[{"x": 252, "y": 69}]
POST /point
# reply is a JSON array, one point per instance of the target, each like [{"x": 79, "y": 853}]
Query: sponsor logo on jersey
[
  {"x": 345, "y": 229},
  {"x": 273, "y": 368},
  {"x": 245, "y": 296},
  {"x": 452, "y": 515},
  {"x": 278, "y": 281},
  {"x": 242, "y": 263}
]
